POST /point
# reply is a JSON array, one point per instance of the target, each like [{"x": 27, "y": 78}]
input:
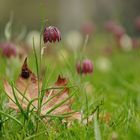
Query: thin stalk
[
  {"x": 85, "y": 43},
  {"x": 37, "y": 68},
  {"x": 86, "y": 100},
  {"x": 60, "y": 87}
]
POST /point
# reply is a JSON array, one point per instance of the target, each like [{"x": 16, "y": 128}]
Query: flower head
[
  {"x": 117, "y": 30},
  {"x": 135, "y": 43},
  {"x": 137, "y": 23},
  {"x": 109, "y": 26},
  {"x": 8, "y": 49},
  {"x": 88, "y": 28},
  {"x": 85, "y": 67},
  {"x": 51, "y": 34}
]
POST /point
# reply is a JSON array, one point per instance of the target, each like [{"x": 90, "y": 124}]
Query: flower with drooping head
[
  {"x": 137, "y": 23},
  {"x": 88, "y": 28},
  {"x": 135, "y": 43},
  {"x": 117, "y": 30},
  {"x": 85, "y": 67},
  {"x": 51, "y": 34},
  {"x": 8, "y": 49},
  {"x": 109, "y": 25}
]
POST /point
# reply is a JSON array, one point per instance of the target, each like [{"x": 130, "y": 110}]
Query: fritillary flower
[
  {"x": 85, "y": 67},
  {"x": 8, "y": 49},
  {"x": 137, "y": 23},
  {"x": 51, "y": 34},
  {"x": 88, "y": 28},
  {"x": 116, "y": 29}
]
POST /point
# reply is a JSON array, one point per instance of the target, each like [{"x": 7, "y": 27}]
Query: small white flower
[
  {"x": 126, "y": 43},
  {"x": 36, "y": 36},
  {"x": 74, "y": 40},
  {"x": 103, "y": 64}
]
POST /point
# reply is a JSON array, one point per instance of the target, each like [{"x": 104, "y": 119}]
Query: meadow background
[{"x": 111, "y": 92}]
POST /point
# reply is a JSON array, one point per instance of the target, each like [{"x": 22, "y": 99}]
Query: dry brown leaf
[{"x": 27, "y": 86}]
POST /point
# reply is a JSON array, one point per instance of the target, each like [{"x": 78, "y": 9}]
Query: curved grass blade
[
  {"x": 24, "y": 96},
  {"x": 65, "y": 115},
  {"x": 49, "y": 99},
  {"x": 18, "y": 104},
  {"x": 11, "y": 117},
  {"x": 33, "y": 136},
  {"x": 61, "y": 103},
  {"x": 31, "y": 103}
]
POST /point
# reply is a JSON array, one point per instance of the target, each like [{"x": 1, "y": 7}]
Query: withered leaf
[{"x": 26, "y": 89}]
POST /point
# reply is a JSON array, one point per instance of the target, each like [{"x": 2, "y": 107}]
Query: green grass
[{"x": 115, "y": 92}]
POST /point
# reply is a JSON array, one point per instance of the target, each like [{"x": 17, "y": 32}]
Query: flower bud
[
  {"x": 135, "y": 43},
  {"x": 88, "y": 28},
  {"x": 85, "y": 67},
  {"x": 8, "y": 49},
  {"x": 118, "y": 31},
  {"x": 114, "y": 28},
  {"x": 137, "y": 23},
  {"x": 109, "y": 25},
  {"x": 51, "y": 34}
]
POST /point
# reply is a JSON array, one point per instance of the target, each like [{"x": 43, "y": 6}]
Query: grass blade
[
  {"x": 61, "y": 103},
  {"x": 11, "y": 117},
  {"x": 18, "y": 104}
]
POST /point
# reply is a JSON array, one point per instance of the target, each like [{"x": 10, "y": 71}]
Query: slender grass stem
[{"x": 38, "y": 78}]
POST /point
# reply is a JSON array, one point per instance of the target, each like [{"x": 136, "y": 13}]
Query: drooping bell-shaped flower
[
  {"x": 137, "y": 23},
  {"x": 135, "y": 43},
  {"x": 51, "y": 34},
  {"x": 88, "y": 28},
  {"x": 8, "y": 49},
  {"x": 115, "y": 28},
  {"x": 85, "y": 67}
]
